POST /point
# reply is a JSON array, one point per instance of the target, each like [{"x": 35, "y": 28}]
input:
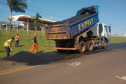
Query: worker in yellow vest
[
  {"x": 16, "y": 40},
  {"x": 7, "y": 45}
]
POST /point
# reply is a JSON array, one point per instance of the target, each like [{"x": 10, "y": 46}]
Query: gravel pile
[
  {"x": 26, "y": 57},
  {"x": 40, "y": 58},
  {"x": 35, "y": 59}
]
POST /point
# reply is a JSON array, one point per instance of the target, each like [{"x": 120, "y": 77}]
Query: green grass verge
[
  {"x": 117, "y": 39},
  {"x": 25, "y": 42},
  {"x": 44, "y": 45}
]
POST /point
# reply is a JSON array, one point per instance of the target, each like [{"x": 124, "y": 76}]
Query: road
[{"x": 98, "y": 67}]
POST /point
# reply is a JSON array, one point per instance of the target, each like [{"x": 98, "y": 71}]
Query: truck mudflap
[{"x": 65, "y": 48}]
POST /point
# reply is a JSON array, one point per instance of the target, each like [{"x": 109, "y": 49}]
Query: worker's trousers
[
  {"x": 16, "y": 43},
  {"x": 8, "y": 51},
  {"x": 34, "y": 47}
]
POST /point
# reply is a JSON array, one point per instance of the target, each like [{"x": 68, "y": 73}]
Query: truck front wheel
[
  {"x": 89, "y": 46},
  {"x": 82, "y": 47},
  {"x": 105, "y": 45}
]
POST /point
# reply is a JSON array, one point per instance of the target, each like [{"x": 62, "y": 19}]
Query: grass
[
  {"x": 25, "y": 42},
  {"x": 117, "y": 39},
  {"x": 44, "y": 45}
]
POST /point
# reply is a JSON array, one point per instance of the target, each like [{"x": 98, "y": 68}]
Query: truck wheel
[
  {"x": 105, "y": 45},
  {"x": 82, "y": 47},
  {"x": 89, "y": 46}
]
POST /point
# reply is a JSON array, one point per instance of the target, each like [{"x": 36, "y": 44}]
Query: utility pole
[
  {"x": 14, "y": 25},
  {"x": 6, "y": 25},
  {"x": 17, "y": 27},
  {"x": 0, "y": 25},
  {"x": 110, "y": 29}
]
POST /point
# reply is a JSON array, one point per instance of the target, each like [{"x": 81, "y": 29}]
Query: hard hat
[{"x": 34, "y": 34}]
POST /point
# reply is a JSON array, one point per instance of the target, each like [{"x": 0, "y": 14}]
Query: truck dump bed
[
  {"x": 72, "y": 19},
  {"x": 71, "y": 27}
]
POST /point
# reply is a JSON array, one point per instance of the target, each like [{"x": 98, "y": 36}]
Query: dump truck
[{"x": 81, "y": 32}]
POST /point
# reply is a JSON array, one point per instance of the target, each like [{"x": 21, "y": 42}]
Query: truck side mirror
[{"x": 109, "y": 28}]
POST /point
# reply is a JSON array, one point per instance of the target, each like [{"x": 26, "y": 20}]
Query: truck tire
[
  {"x": 89, "y": 46},
  {"x": 105, "y": 45},
  {"x": 82, "y": 47}
]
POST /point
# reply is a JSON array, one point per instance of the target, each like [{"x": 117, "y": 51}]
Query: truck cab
[{"x": 101, "y": 30}]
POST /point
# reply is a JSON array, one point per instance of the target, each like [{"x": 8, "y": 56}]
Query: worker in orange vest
[
  {"x": 16, "y": 40},
  {"x": 34, "y": 43}
]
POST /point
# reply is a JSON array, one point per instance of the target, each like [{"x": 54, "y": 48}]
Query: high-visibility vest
[
  {"x": 17, "y": 37},
  {"x": 6, "y": 43}
]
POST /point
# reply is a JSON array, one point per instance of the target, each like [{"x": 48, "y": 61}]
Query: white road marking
[
  {"x": 123, "y": 78},
  {"x": 74, "y": 64}
]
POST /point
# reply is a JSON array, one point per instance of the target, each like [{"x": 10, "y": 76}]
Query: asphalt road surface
[{"x": 102, "y": 66}]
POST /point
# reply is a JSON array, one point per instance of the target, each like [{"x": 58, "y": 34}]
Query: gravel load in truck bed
[
  {"x": 72, "y": 19},
  {"x": 81, "y": 14},
  {"x": 91, "y": 9}
]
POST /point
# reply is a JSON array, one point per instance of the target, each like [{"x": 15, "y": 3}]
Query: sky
[{"x": 110, "y": 12}]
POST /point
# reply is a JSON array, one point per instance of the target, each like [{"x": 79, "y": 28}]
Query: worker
[
  {"x": 7, "y": 45},
  {"x": 16, "y": 40},
  {"x": 34, "y": 43}
]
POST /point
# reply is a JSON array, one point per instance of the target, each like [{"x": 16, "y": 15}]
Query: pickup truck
[{"x": 81, "y": 32}]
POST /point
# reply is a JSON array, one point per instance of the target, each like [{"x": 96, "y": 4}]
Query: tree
[
  {"x": 37, "y": 21},
  {"x": 40, "y": 23},
  {"x": 17, "y": 6}
]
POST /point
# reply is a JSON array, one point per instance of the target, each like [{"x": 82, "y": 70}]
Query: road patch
[
  {"x": 123, "y": 77},
  {"x": 74, "y": 64}
]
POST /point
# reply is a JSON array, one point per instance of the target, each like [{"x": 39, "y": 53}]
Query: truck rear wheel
[
  {"x": 82, "y": 47},
  {"x": 105, "y": 45},
  {"x": 89, "y": 46}
]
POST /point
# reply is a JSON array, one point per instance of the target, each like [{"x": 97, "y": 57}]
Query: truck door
[
  {"x": 101, "y": 30},
  {"x": 105, "y": 31}
]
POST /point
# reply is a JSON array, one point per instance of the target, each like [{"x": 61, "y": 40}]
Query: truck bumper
[{"x": 65, "y": 48}]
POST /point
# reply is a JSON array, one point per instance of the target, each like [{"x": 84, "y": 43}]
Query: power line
[
  {"x": 3, "y": 3},
  {"x": 117, "y": 26},
  {"x": 39, "y": 12},
  {"x": 47, "y": 10},
  {"x": 45, "y": 13}
]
